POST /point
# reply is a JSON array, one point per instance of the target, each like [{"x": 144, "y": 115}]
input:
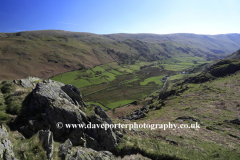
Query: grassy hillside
[
  {"x": 219, "y": 69},
  {"x": 50, "y": 52},
  {"x": 234, "y": 55},
  {"x": 220, "y": 44},
  {"x": 214, "y": 104}
]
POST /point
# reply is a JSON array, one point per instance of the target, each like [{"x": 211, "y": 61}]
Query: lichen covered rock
[
  {"x": 54, "y": 105},
  {"x": 6, "y": 147},
  {"x": 46, "y": 139},
  {"x": 65, "y": 153}
]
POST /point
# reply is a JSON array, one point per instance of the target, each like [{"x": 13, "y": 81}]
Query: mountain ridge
[{"x": 46, "y": 53}]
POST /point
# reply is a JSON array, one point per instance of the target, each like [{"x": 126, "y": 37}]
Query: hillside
[
  {"x": 212, "y": 105},
  {"x": 219, "y": 69},
  {"x": 50, "y": 52},
  {"x": 220, "y": 44},
  {"x": 234, "y": 55}
]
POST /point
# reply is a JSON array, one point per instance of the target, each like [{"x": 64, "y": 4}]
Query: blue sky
[{"x": 122, "y": 16}]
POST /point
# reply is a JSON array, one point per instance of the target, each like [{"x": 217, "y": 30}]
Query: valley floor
[{"x": 114, "y": 85}]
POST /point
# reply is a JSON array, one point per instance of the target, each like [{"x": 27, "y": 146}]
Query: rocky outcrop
[
  {"x": 27, "y": 83},
  {"x": 6, "y": 148},
  {"x": 187, "y": 118},
  {"x": 74, "y": 93},
  {"x": 99, "y": 111},
  {"x": 100, "y": 138},
  {"x": 141, "y": 113},
  {"x": 65, "y": 153},
  {"x": 46, "y": 139},
  {"x": 53, "y": 105},
  {"x": 234, "y": 121}
]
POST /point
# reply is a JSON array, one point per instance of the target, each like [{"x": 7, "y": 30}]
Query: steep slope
[
  {"x": 213, "y": 106},
  {"x": 50, "y": 52},
  {"x": 234, "y": 55},
  {"x": 220, "y": 44},
  {"x": 220, "y": 69}
]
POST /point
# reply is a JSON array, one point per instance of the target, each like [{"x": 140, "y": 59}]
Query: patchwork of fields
[{"x": 113, "y": 85}]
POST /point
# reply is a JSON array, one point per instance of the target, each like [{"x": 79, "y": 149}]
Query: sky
[{"x": 122, "y": 16}]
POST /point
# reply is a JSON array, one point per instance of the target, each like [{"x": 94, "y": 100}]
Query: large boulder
[
  {"x": 54, "y": 105},
  {"x": 49, "y": 106},
  {"x": 6, "y": 147}
]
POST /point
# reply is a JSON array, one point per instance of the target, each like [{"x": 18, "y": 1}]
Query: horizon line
[{"x": 122, "y": 32}]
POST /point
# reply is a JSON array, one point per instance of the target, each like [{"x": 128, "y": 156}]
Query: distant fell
[
  {"x": 219, "y": 44},
  {"x": 46, "y": 53}
]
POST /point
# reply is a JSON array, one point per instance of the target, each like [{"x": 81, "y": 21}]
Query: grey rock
[
  {"x": 51, "y": 105},
  {"x": 46, "y": 139},
  {"x": 64, "y": 151},
  {"x": 187, "y": 118},
  {"x": 54, "y": 102},
  {"x": 27, "y": 83},
  {"x": 3, "y": 132},
  {"x": 6, "y": 147},
  {"x": 6, "y": 150},
  {"x": 106, "y": 138},
  {"x": 104, "y": 155},
  {"x": 81, "y": 155},
  {"x": 137, "y": 114},
  {"x": 89, "y": 154},
  {"x": 74, "y": 93},
  {"x": 99, "y": 111}
]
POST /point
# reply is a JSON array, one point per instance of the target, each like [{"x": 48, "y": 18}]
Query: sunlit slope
[
  {"x": 50, "y": 52},
  {"x": 235, "y": 55},
  {"x": 219, "y": 44}
]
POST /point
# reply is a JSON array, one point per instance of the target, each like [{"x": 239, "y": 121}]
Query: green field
[
  {"x": 178, "y": 76},
  {"x": 97, "y": 80},
  {"x": 109, "y": 76},
  {"x": 96, "y": 103},
  {"x": 119, "y": 103},
  {"x": 98, "y": 68},
  {"x": 115, "y": 72},
  {"x": 113, "y": 85},
  {"x": 156, "y": 80}
]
